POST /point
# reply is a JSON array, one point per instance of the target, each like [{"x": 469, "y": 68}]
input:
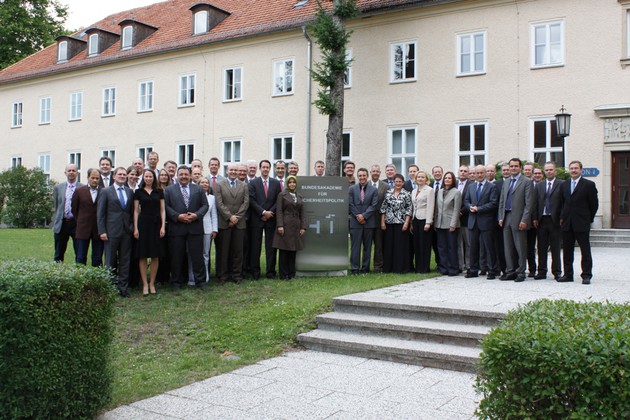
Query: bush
[
  {"x": 55, "y": 335},
  {"x": 557, "y": 359},
  {"x": 26, "y": 196}
]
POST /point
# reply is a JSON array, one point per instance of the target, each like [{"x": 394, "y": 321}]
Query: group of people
[{"x": 476, "y": 223}]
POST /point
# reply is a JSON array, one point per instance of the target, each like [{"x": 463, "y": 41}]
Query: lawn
[{"x": 175, "y": 338}]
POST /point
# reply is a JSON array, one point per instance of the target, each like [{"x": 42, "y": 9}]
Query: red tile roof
[{"x": 174, "y": 22}]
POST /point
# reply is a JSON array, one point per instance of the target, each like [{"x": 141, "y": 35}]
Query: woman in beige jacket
[{"x": 423, "y": 200}]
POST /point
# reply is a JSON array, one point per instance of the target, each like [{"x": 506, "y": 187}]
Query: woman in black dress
[{"x": 149, "y": 219}]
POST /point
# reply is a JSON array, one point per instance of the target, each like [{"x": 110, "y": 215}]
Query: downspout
[{"x": 309, "y": 59}]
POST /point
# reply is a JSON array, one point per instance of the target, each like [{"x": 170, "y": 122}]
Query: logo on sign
[{"x": 590, "y": 172}]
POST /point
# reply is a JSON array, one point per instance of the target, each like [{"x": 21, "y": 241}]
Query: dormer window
[
  {"x": 93, "y": 44},
  {"x": 133, "y": 33},
  {"x": 127, "y": 37},
  {"x": 201, "y": 22},
  {"x": 206, "y": 17},
  {"x": 68, "y": 47},
  {"x": 62, "y": 51}
]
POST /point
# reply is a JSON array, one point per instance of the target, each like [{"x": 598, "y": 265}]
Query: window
[
  {"x": 403, "y": 62},
  {"x": 547, "y": 44},
  {"x": 282, "y": 148},
  {"x": 76, "y": 106},
  {"x": 471, "y": 144},
  {"x": 109, "y": 102},
  {"x": 187, "y": 90},
  {"x": 93, "y": 44},
  {"x": 283, "y": 77},
  {"x": 75, "y": 158},
  {"x": 471, "y": 56},
  {"x": 232, "y": 82},
  {"x": 143, "y": 152},
  {"x": 347, "y": 77},
  {"x": 628, "y": 33},
  {"x": 110, "y": 153},
  {"x": 231, "y": 152},
  {"x": 547, "y": 146},
  {"x": 43, "y": 163},
  {"x": 45, "y": 105},
  {"x": 127, "y": 37},
  {"x": 402, "y": 148},
  {"x": 185, "y": 153},
  {"x": 145, "y": 96},
  {"x": 16, "y": 161},
  {"x": 345, "y": 150},
  {"x": 201, "y": 22},
  {"x": 16, "y": 114},
  {"x": 62, "y": 51}
]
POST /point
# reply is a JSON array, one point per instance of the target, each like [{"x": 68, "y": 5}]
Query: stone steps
[{"x": 610, "y": 238}]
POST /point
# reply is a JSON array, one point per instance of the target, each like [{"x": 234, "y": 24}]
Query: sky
[{"x": 82, "y": 13}]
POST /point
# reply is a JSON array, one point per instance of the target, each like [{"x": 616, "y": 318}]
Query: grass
[{"x": 176, "y": 338}]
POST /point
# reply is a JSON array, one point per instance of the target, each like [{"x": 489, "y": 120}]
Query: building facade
[{"x": 431, "y": 82}]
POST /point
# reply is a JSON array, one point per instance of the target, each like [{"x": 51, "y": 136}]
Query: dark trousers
[
  {"x": 231, "y": 244},
  {"x": 361, "y": 237},
  {"x": 164, "y": 268},
  {"x": 287, "y": 264},
  {"x": 118, "y": 252},
  {"x": 179, "y": 260},
  {"x": 395, "y": 249},
  {"x": 434, "y": 245},
  {"x": 568, "y": 247},
  {"x": 481, "y": 243},
  {"x": 549, "y": 236},
  {"x": 422, "y": 241},
  {"x": 447, "y": 248},
  {"x": 499, "y": 249},
  {"x": 378, "y": 250},
  {"x": 256, "y": 250},
  {"x": 97, "y": 251},
  {"x": 68, "y": 228},
  {"x": 531, "y": 249}
]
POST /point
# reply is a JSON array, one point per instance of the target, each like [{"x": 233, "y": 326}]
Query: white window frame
[
  {"x": 548, "y": 149},
  {"x": 93, "y": 45},
  {"x": 142, "y": 151},
  {"x": 110, "y": 153},
  {"x": 348, "y": 156},
  {"x": 547, "y": 59},
  {"x": 17, "y": 109},
  {"x": 43, "y": 163},
  {"x": 16, "y": 161},
  {"x": 109, "y": 102},
  {"x": 472, "y": 53},
  {"x": 126, "y": 41},
  {"x": 405, "y": 78},
  {"x": 200, "y": 25},
  {"x": 473, "y": 152},
  {"x": 283, "y": 79},
  {"x": 76, "y": 106},
  {"x": 145, "y": 96},
  {"x": 74, "y": 157},
  {"x": 186, "y": 91},
  {"x": 627, "y": 33},
  {"x": 285, "y": 153},
  {"x": 347, "y": 77},
  {"x": 233, "y": 92},
  {"x": 45, "y": 110},
  {"x": 231, "y": 152},
  {"x": 405, "y": 158},
  {"x": 62, "y": 52},
  {"x": 185, "y": 153}
]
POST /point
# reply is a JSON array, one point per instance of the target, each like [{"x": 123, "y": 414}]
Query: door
[{"x": 620, "y": 190}]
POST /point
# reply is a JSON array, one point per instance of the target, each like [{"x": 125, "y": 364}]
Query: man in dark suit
[
  {"x": 362, "y": 199},
  {"x": 186, "y": 205},
  {"x": 547, "y": 222},
  {"x": 381, "y": 187},
  {"x": 528, "y": 172},
  {"x": 515, "y": 210},
  {"x": 232, "y": 198},
  {"x": 64, "y": 226},
  {"x": 481, "y": 202},
  {"x": 115, "y": 227},
  {"x": 107, "y": 177},
  {"x": 263, "y": 193},
  {"x": 436, "y": 172},
  {"x": 579, "y": 206},
  {"x": 463, "y": 239},
  {"x": 214, "y": 164},
  {"x": 84, "y": 206}
]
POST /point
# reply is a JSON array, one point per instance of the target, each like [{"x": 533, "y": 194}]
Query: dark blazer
[
  {"x": 464, "y": 211},
  {"x": 84, "y": 211},
  {"x": 487, "y": 205},
  {"x": 112, "y": 218},
  {"x": 59, "y": 204},
  {"x": 579, "y": 208},
  {"x": 258, "y": 202},
  {"x": 174, "y": 203},
  {"x": 290, "y": 217},
  {"x": 367, "y": 208},
  {"x": 408, "y": 185},
  {"x": 232, "y": 201},
  {"x": 382, "y": 188},
  {"x": 101, "y": 185},
  {"x": 555, "y": 201}
]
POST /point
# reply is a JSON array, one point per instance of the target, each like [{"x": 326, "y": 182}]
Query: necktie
[
  {"x": 479, "y": 187},
  {"x": 547, "y": 194},
  {"x": 265, "y": 187},
  {"x": 186, "y": 196},
  {"x": 508, "y": 200},
  {"x": 106, "y": 181},
  {"x": 121, "y": 196},
  {"x": 214, "y": 182},
  {"x": 362, "y": 194},
  {"x": 67, "y": 210},
  {"x": 572, "y": 186},
  {"x": 281, "y": 184}
]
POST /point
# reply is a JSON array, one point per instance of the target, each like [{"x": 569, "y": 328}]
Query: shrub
[
  {"x": 26, "y": 196},
  {"x": 557, "y": 359},
  {"x": 55, "y": 336}
]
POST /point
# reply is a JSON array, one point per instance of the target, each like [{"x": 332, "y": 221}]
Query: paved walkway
[{"x": 313, "y": 385}]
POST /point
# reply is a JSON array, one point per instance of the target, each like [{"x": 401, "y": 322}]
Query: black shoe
[
  {"x": 531, "y": 274},
  {"x": 124, "y": 293},
  {"x": 483, "y": 272},
  {"x": 491, "y": 277},
  {"x": 540, "y": 277},
  {"x": 511, "y": 276},
  {"x": 556, "y": 277},
  {"x": 564, "y": 279},
  {"x": 586, "y": 280},
  {"x": 271, "y": 276},
  {"x": 470, "y": 274},
  {"x": 519, "y": 278},
  {"x": 256, "y": 277}
]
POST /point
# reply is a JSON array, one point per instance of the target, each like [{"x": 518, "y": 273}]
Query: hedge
[
  {"x": 557, "y": 359},
  {"x": 55, "y": 335}
]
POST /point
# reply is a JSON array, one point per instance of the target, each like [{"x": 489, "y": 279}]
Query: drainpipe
[{"x": 309, "y": 59}]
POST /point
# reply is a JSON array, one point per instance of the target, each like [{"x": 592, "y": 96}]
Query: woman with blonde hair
[{"x": 423, "y": 200}]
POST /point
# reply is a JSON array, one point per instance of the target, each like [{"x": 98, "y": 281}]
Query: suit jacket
[
  {"x": 555, "y": 201},
  {"x": 84, "y": 211},
  {"x": 579, "y": 208},
  {"x": 522, "y": 201},
  {"x": 101, "y": 184},
  {"x": 382, "y": 187},
  {"x": 210, "y": 221},
  {"x": 259, "y": 202},
  {"x": 59, "y": 203},
  {"x": 232, "y": 201},
  {"x": 367, "y": 208},
  {"x": 447, "y": 209},
  {"x": 484, "y": 219},
  {"x": 112, "y": 218},
  {"x": 424, "y": 204},
  {"x": 408, "y": 185},
  {"x": 175, "y": 205},
  {"x": 464, "y": 211}
]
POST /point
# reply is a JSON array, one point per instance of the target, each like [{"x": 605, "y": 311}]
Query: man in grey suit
[
  {"x": 515, "y": 211},
  {"x": 214, "y": 164},
  {"x": 362, "y": 199},
  {"x": 65, "y": 224},
  {"x": 115, "y": 227},
  {"x": 381, "y": 187}
]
